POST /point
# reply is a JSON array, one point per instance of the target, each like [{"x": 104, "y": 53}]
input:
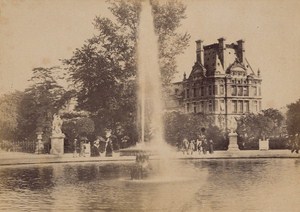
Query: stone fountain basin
[
  {"x": 136, "y": 150},
  {"x": 147, "y": 150}
]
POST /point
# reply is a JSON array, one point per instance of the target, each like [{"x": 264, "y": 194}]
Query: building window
[
  {"x": 215, "y": 90},
  {"x": 202, "y": 91},
  {"x": 194, "y": 92},
  {"x": 221, "y": 89},
  {"x": 222, "y": 105},
  {"x": 209, "y": 91},
  {"x": 202, "y": 107},
  {"x": 259, "y": 91},
  {"x": 255, "y": 107},
  {"x": 234, "y": 106},
  {"x": 254, "y": 90},
  {"x": 215, "y": 106},
  {"x": 233, "y": 90},
  {"x": 259, "y": 105},
  {"x": 240, "y": 91},
  {"x": 240, "y": 106},
  {"x": 246, "y": 93},
  {"x": 176, "y": 91},
  {"x": 246, "y": 106},
  {"x": 210, "y": 106},
  {"x": 187, "y": 93},
  {"x": 195, "y": 107},
  {"x": 188, "y": 107}
]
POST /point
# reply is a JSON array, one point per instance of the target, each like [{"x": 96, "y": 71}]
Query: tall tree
[
  {"x": 9, "y": 115},
  {"x": 104, "y": 69},
  {"x": 293, "y": 118},
  {"x": 41, "y": 100},
  {"x": 167, "y": 19},
  {"x": 277, "y": 119},
  {"x": 179, "y": 126},
  {"x": 268, "y": 123}
]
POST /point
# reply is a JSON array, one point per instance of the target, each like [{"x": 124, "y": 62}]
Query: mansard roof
[
  {"x": 218, "y": 69},
  {"x": 218, "y": 59}
]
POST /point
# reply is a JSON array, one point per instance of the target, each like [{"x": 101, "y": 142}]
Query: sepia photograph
[{"x": 150, "y": 105}]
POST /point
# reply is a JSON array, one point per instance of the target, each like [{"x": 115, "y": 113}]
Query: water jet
[{"x": 150, "y": 104}]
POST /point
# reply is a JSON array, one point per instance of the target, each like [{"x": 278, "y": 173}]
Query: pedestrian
[
  {"x": 185, "y": 146},
  {"x": 204, "y": 146},
  {"x": 109, "y": 147},
  {"x": 295, "y": 143},
  {"x": 191, "y": 146},
  {"x": 95, "y": 150},
  {"x": 75, "y": 148},
  {"x": 82, "y": 148},
  {"x": 204, "y": 143},
  {"x": 199, "y": 144},
  {"x": 211, "y": 146}
]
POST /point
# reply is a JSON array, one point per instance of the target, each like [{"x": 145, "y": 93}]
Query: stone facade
[{"x": 221, "y": 83}]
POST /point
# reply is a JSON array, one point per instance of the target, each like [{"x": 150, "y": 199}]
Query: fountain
[{"x": 149, "y": 97}]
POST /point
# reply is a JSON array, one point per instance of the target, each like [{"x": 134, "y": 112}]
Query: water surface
[{"x": 189, "y": 185}]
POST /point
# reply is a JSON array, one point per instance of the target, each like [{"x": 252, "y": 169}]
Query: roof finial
[
  {"x": 184, "y": 76},
  {"x": 258, "y": 73}
]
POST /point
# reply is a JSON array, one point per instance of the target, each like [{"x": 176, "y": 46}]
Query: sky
[{"x": 36, "y": 33}]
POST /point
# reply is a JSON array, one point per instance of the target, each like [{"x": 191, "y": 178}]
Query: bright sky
[{"x": 37, "y": 33}]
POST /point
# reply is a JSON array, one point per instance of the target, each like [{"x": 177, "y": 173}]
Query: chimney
[
  {"x": 199, "y": 51},
  {"x": 241, "y": 50},
  {"x": 222, "y": 48}
]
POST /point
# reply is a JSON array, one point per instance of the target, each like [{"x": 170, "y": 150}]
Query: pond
[{"x": 194, "y": 185}]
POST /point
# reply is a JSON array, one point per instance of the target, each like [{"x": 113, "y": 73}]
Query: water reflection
[
  {"x": 27, "y": 178},
  {"x": 212, "y": 185}
]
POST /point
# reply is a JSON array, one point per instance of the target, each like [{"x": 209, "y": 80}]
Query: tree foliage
[
  {"x": 179, "y": 126},
  {"x": 268, "y": 123},
  {"x": 104, "y": 69},
  {"x": 10, "y": 115},
  {"x": 167, "y": 19},
  {"x": 41, "y": 100},
  {"x": 293, "y": 118}
]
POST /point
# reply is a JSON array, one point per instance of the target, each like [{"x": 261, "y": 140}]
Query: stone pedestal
[
  {"x": 233, "y": 146},
  {"x": 87, "y": 149},
  {"x": 39, "y": 145},
  {"x": 263, "y": 144},
  {"x": 57, "y": 144}
]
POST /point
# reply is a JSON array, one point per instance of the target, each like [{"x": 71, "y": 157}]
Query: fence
[{"x": 18, "y": 146}]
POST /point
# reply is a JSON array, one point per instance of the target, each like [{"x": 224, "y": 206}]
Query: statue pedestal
[
  {"x": 39, "y": 145},
  {"x": 57, "y": 144},
  {"x": 263, "y": 144},
  {"x": 233, "y": 146}
]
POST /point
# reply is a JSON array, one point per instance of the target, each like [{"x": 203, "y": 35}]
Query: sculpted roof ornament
[{"x": 198, "y": 71}]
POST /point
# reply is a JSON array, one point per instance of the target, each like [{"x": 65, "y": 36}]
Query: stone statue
[
  {"x": 232, "y": 124},
  {"x": 56, "y": 125}
]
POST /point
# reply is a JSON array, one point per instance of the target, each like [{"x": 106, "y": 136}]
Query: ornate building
[{"x": 221, "y": 83}]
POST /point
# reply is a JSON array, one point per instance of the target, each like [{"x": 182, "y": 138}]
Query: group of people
[
  {"x": 100, "y": 146},
  {"x": 201, "y": 145},
  {"x": 80, "y": 147}
]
